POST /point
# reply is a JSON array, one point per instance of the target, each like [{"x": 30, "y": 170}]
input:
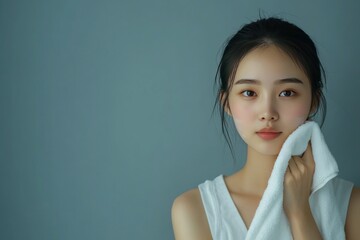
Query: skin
[{"x": 252, "y": 107}]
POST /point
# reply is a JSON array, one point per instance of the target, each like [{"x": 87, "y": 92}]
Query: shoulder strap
[{"x": 211, "y": 205}]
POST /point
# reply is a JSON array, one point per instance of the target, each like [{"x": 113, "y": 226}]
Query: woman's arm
[
  {"x": 303, "y": 226},
  {"x": 188, "y": 217},
  {"x": 297, "y": 186},
  {"x": 352, "y": 226}
]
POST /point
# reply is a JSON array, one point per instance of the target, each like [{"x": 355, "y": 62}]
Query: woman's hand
[
  {"x": 297, "y": 184},
  {"x": 297, "y": 188}
]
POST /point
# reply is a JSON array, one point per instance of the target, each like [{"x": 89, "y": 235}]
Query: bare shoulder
[
  {"x": 189, "y": 217},
  {"x": 353, "y": 215}
]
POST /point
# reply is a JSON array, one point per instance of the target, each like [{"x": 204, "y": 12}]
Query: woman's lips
[{"x": 268, "y": 135}]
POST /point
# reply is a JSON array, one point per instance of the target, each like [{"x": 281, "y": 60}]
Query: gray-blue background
[{"x": 106, "y": 108}]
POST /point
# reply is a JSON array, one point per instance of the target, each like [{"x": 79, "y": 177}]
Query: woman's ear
[
  {"x": 314, "y": 107},
  {"x": 226, "y": 107}
]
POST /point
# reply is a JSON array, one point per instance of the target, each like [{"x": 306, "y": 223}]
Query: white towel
[{"x": 270, "y": 221}]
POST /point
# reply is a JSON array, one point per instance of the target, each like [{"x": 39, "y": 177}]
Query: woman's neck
[{"x": 256, "y": 172}]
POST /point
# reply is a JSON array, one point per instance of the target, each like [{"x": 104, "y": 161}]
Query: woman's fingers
[
  {"x": 309, "y": 158},
  {"x": 296, "y": 166},
  {"x": 291, "y": 166},
  {"x": 301, "y": 166}
]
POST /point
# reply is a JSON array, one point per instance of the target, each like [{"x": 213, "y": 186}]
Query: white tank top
[{"x": 226, "y": 222}]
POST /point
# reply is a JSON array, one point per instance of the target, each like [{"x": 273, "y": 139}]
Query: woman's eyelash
[
  {"x": 293, "y": 92},
  {"x": 250, "y": 91}
]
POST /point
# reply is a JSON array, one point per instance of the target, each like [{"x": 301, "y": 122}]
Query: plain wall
[{"x": 106, "y": 108}]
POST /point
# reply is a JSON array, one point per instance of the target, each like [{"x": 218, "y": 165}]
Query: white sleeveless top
[{"x": 226, "y": 222}]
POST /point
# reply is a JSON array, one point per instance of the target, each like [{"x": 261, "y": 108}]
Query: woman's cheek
[
  {"x": 299, "y": 115},
  {"x": 243, "y": 118}
]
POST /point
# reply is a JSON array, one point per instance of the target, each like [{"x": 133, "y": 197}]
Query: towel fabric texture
[{"x": 270, "y": 221}]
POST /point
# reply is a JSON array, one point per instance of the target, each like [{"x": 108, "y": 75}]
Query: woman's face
[{"x": 269, "y": 91}]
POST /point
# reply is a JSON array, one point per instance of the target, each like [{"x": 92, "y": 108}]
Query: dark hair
[{"x": 264, "y": 32}]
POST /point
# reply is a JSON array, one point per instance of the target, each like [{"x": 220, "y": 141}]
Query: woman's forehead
[{"x": 268, "y": 63}]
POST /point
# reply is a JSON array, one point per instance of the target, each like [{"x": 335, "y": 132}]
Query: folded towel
[{"x": 270, "y": 221}]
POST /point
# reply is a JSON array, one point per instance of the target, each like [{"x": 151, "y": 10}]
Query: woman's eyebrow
[{"x": 280, "y": 81}]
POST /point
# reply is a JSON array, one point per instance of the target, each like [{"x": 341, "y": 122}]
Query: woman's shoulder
[
  {"x": 189, "y": 217},
  {"x": 188, "y": 199},
  {"x": 353, "y": 215}
]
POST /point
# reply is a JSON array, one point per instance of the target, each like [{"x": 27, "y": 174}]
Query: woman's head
[{"x": 268, "y": 50}]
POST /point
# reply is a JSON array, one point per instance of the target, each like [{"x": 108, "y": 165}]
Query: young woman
[{"x": 270, "y": 83}]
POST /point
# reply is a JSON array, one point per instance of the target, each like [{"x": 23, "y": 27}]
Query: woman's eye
[
  {"x": 248, "y": 93},
  {"x": 288, "y": 93}
]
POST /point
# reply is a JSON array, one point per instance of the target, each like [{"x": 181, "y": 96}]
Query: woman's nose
[{"x": 269, "y": 111}]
